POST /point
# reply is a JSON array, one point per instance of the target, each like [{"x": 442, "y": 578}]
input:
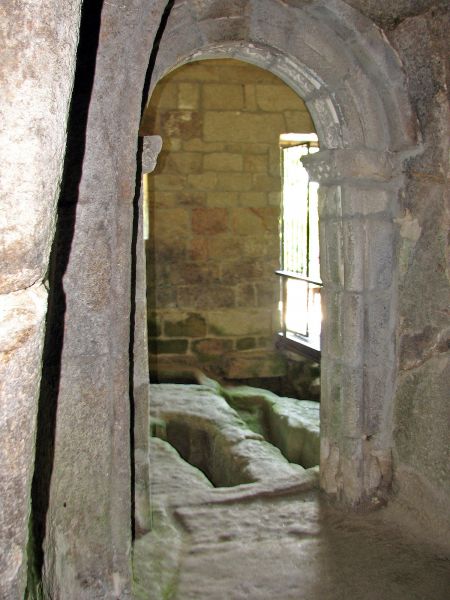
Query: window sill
[{"x": 299, "y": 345}]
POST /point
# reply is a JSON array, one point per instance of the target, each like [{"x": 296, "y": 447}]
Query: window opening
[{"x": 300, "y": 283}]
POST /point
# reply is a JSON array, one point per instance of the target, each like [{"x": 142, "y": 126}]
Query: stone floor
[{"x": 274, "y": 539}]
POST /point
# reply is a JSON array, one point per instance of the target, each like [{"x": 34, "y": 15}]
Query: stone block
[
  {"x": 274, "y": 161},
  {"x": 267, "y": 294},
  {"x": 250, "y": 97},
  {"x": 199, "y": 249},
  {"x": 352, "y": 401},
  {"x": 249, "y": 199},
  {"x": 249, "y": 148},
  {"x": 165, "y": 295},
  {"x": 256, "y": 163},
  {"x": 171, "y": 224},
  {"x": 379, "y": 348},
  {"x": 190, "y": 199},
  {"x": 225, "y": 245},
  {"x": 354, "y": 246},
  {"x": 254, "y": 364},
  {"x": 153, "y": 325},
  {"x": 191, "y": 326},
  {"x": 234, "y": 126},
  {"x": 204, "y": 71},
  {"x": 174, "y": 144},
  {"x": 252, "y": 221},
  {"x": 192, "y": 274},
  {"x": 242, "y": 322},
  {"x": 220, "y": 10},
  {"x": 199, "y": 145},
  {"x": 183, "y": 124},
  {"x": 247, "y": 343},
  {"x": 266, "y": 245},
  {"x": 209, "y": 221},
  {"x": 205, "y": 297},
  {"x": 188, "y": 95},
  {"x": 167, "y": 182},
  {"x": 217, "y": 96},
  {"x": 245, "y": 294},
  {"x": 223, "y": 161},
  {"x": 353, "y": 328},
  {"x": 164, "y": 97},
  {"x": 358, "y": 201},
  {"x": 203, "y": 181},
  {"x": 211, "y": 348},
  {"x": 181, "y": 162},
  {"x": 266, "y": 183},
  {"x": 331, "y": 253},
  {"x": 163, "y": 200},
  {"x": 380, "y": 253},
  {"x": 242, "y": 270},
  {"x": 330, "y": 202},
  {"x": 298, "y": 121},
  {"x": 332, "y": 306},
  {"x": 234, "y": 182},
  {"x": 275, "y": 199},
  {"x": 276, "y": 98},
  {"x": 222, "y": 199}
]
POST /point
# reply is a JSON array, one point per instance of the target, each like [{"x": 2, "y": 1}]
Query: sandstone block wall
[{"x": 214, "y": 216}]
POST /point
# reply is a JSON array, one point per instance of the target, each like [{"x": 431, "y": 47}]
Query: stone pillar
[
  {"x": 38, "y": 41},
  {"x": 152, "y": 147},
  {"x": 358, "y": 195}
]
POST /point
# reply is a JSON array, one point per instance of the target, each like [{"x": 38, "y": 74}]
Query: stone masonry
[
  {"x": 375, "y": 78},
  {"x": 214, "y": 216}
]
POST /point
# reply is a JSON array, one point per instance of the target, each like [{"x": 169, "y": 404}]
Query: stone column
[
  {"x": 358, "y": 199},
  {"x": 152, "y": 147},
  {"x": 38, "y": 41}
]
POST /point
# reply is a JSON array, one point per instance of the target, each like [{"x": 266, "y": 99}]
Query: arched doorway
[
  {"x": 344, "y": 71},
  {"x": 352, "y": 82}
]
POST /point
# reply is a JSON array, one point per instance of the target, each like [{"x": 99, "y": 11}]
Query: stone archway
[{"x": 352, "y": 83}]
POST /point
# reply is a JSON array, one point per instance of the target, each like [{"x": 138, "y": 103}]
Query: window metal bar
[{"x": 293, "y": 275}]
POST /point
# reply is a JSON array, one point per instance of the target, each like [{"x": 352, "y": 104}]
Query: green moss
[{"x": 34, "y": 585}]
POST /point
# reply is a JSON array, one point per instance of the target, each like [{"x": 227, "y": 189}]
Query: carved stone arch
[{"x": 353, "y": 85}]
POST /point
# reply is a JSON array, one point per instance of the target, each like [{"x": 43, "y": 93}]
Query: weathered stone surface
[
  {"x": 37, "y": 73},
  {"x": 209, "y": 434},
  {"x": 223, "y": 96},
  {"x": 229, "y": 126},
  {"x": 223, "y": 161},
  {"x": 192, "y": 326},
  {"x": 22, "y": 320},
  {"x": 39, "y": 45},
  {"x": 254, "y": 364},
  {"x": 88, "y": 541},
  {"x": 209, "y": 221}
]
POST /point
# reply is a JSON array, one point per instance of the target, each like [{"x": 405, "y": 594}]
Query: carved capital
[
  {"x": 150, "y": 152},
  {"x": 334, "y": 166}
]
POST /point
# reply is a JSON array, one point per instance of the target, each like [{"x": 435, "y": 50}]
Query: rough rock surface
[
  {"x": 38, "y": 41},
  {"x": 209, "y": 434},
  {"x": 260, "y": 543}
]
